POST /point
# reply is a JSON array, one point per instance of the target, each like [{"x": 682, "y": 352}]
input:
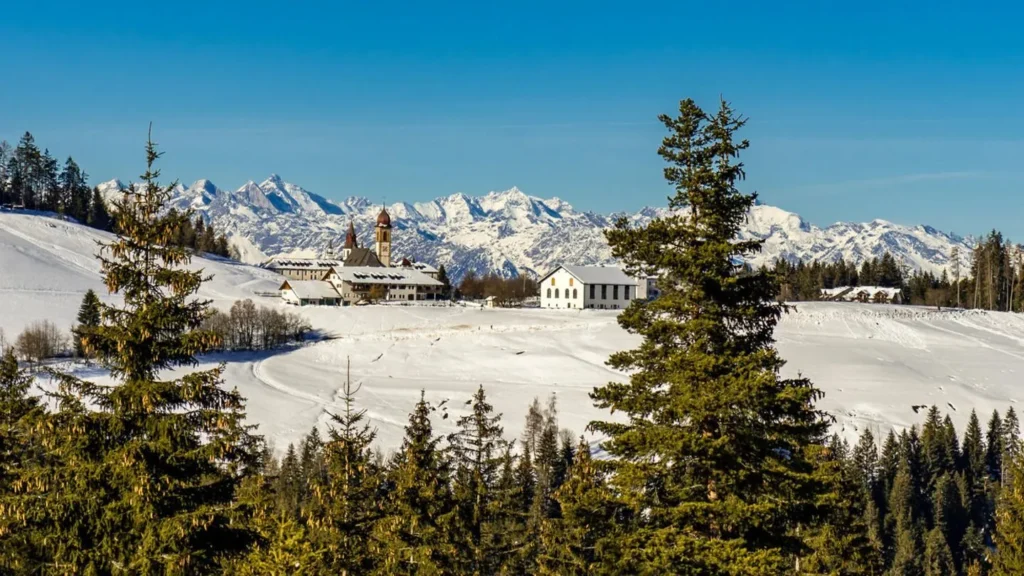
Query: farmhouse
[
  {"x": 310, "y": 292},
  {"x": 602, "y": 287},
  {"x": 872, "y": 294},
  {"x": 356, "y": 283}
]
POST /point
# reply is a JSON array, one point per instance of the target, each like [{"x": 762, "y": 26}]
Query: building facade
[{"x": 581, "y": 287}]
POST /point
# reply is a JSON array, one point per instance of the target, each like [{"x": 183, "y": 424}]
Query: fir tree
[
  {"x": 98, "y": 216},
  {"x": 908, "y": 552},
  {"x": 149, "y": 474},
  {"x": 88, "y": 319},
  {"x": 994, "y": 446},
  {"x": 288, "y": 485},
  {"x": 446, "y": 283},
  {"x": 18, "y": 450},
  {"x": 938, "y": 559},
  {"x": 414, "y": 534},
  {"x": 975, "y": 470},
  {"x": 710, "y": 459}
]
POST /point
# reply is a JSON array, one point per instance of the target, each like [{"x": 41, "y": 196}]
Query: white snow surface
[
  {"x": 513, "y": 233},
  {"x": 874, "y": 362}
]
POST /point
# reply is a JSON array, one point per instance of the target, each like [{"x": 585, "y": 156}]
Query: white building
[
  {"x": 310, "y": 293},
  {"x": 601, "y": 287},
  {"x": 355, "y": 283}
]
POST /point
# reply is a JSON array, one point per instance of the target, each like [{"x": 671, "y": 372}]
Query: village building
[
  {"x": 865, "y": 294},
  {"x": 600, "y": 287},
  {"x": 356, "y": 274}
]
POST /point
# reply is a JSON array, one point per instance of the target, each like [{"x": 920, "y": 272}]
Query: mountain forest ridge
[{"x": 513, "y": 233}]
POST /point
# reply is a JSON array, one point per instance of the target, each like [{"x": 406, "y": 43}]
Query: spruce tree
[
  {"x": 477, "y": 449},
  {"x": 347, "y": 500},
  {"x": 975, "y": 470},
  {"x": 938, "y": 559},
  {"x": 994, "y": 446},
  {"x": 446, "y": 283},
  {"x": 88, "y": 319},
  {"x": 570, "y": 543},
  {"x": 140, "y": 476},
  {"x": 710, "y": 458},
  {"x": 415, "y": 535},
  {"x": 1009, "y": 529},
  {"x": 288, "y": 485},
  {"x": 18, "y": 451},
  {"x": 98, "y": 217},
  {"x": 908, "y": 549}
]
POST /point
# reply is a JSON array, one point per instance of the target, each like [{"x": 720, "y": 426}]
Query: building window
[
  {"x": 615, "y": 292},
  {"x": 625, "y": 292},
  {"x": 552, "y": 281},
  {"x": 592, "y": 288},
  {"x": 604, "y": 291},
  {"x": 570, "y": 282},
  {"x": 556, "y": 292},
  {"x": 549, "y": 292},
  {"x": 566, "y": 293},
  {"x": 573, "y": 293}
]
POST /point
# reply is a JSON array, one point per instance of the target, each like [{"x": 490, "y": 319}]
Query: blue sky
[{"x": 905, "y": 113}]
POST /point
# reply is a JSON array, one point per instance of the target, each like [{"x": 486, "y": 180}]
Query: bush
[
  {"x": 42, "y": 340},
  {"x": 251, "y": 327}
]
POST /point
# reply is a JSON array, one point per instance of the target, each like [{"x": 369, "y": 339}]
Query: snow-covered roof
[
  {"x": 850, "y": 293},
  {"x": 302, "y": 263},
  {"x": 378, "y": 275},
  {"x": 596, "y": 275},
  {"x": 421, "y": 266},
  {"x": 311, "y": 289}
]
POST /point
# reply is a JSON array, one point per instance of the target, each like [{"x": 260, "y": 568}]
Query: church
[{"x": 356, "y": 274}]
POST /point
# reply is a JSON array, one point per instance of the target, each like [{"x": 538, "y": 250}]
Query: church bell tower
[{"x": 382, "y": 236}]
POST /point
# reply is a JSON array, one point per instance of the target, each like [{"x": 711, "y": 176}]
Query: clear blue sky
[{"x": 912, "y": 114}]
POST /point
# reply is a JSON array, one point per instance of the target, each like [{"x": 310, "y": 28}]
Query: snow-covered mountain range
[{"x": 513, "y": 233}]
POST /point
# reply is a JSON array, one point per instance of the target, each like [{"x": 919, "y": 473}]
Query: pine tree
[
  {"x": 994, "y": 444},
  {"x": 148, "y": 468},
  {"x": 88, "y": 319},
  {"x": 288, "y": 484},
  {"x": 348, "y": 500},
  {"x": 477, "y": 448},
  {"x": 908, "y": 552},
  {"x": 950, "y": 516},
  {"x": 414, "y": 535},
  {"x": 975, "y": 470},
  {"x": 710, "y": 459}
]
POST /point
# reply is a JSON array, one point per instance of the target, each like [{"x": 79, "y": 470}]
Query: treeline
[
  {"x": 506, "y": 291},
  {"x": 35, "y": 180},
  {"x": 931, "y": 501},
  {"x": 202, "y": 237},
  {"x": 250, "y": 327},
  {"x": 989, "y": 278}
]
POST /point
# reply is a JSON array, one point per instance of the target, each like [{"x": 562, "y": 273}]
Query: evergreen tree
[
  {"x": 710, "y": 461},
  {"x": 950, "y": 516},
  {"x": 908, "y": 552},
  {"x": 994, "y": 446},
  {"x": 938, "y": 559},
  {"x": 288, "y": 484},
  {"x": 147, "y": 468},
  {"x": 88, "y": 319},
  {"x": 414, "y": 534},
  {"x": 975, "y": 471},
  {"x": 546, "y": 462},
  {"x": 1009, "y": 533},
  {"x": 348, "y": 501},
  {"x": 477, "y": 450},
  {"x": 99, "y": 218},
  {"x": 570, "y": 544},
  {"x": 442, "y": 277},
  {"x": 17, "y": 451}
]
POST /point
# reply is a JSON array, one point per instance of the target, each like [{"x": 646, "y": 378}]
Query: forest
[{"x": 706, "y": 461}]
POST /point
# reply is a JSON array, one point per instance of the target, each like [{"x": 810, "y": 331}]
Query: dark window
[
  {"x": 615, "y": 292},
  {"x": 549, "y": 292},
  {"x": 592, "y": 288},
  {"x": 556, "y": 292},
  {"x": 625, "y": 292},
  {"x": 573, "y": 293},
  {"x": 604, "y": 291},
  {"x": 566, "y": 293}
]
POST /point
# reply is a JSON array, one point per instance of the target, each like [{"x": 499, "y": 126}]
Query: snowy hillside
[
  {"x": 875, "y": 363},
  {"x": 512, "y": 232}
]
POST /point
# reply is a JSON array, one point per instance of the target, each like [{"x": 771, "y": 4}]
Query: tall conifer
[{"x": 710, "y": 458}]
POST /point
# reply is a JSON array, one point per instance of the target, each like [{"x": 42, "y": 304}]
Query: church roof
[{"x": 363, "y": 257}]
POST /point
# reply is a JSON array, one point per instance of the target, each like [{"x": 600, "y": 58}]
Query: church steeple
[
  {"x": 351, "y": 242},
  {"x": 382, "y": 237}
]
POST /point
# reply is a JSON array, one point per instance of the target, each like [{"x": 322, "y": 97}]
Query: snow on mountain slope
[
  {"x": 874, "y": 362},
  {"x": 47, "y": 264},
  {"x": 513, "y": 233}
]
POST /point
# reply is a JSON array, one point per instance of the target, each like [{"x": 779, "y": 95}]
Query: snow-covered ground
[{"x": 874, "y": 362}]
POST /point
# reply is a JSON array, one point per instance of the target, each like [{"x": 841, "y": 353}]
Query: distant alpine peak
[{"x": 511, "y": 232}]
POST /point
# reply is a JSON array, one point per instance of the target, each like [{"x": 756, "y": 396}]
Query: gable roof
[
  {"x": 311, "y": 289},
  {"x": 596, "y": 275},
  {"x": 277, "y": 263},
  {"x": 362, "y": 257}
]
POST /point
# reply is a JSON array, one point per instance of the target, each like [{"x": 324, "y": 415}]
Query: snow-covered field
[{"x": 874, "y": 362}]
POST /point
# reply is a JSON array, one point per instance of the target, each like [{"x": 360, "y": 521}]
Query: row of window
[{"x": 593, "y": 292}]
